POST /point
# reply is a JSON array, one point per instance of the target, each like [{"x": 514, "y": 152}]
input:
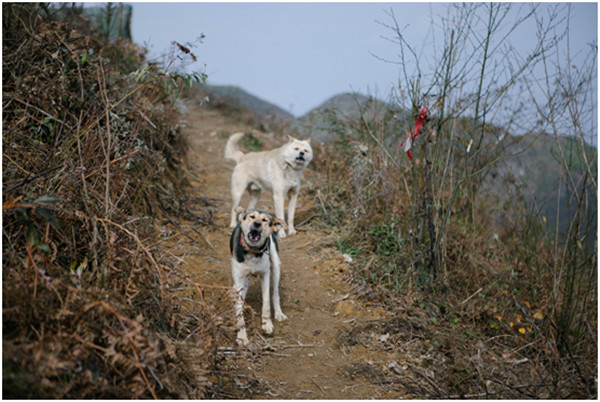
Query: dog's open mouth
[
  {"x": 300, "y": 158},
  {"x": 254, "y": 235}
]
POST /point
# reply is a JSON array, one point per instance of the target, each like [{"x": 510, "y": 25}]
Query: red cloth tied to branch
[{"x": 414, "y": 133}]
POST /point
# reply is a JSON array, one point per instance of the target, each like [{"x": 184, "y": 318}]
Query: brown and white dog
[
  {"x": 254, "y": 251},
  {"x": 278, "y": 171}
]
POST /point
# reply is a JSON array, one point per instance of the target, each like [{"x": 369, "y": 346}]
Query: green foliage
[
  {"x": 28, "y": 214},
  {"x": 174, "y": 82},
  {"x": 252, "y": 143},
  {"x": 386, "y": 237}
]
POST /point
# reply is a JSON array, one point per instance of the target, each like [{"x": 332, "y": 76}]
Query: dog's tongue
[{"x": 254, "y": 236}]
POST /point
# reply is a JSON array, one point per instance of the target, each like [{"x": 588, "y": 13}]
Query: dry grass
[
  {"x": 489, "y": 312},
  {"x": 91, "y": 151}
]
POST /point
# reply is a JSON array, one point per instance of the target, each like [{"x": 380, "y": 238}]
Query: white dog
[
  {"x": 278, "y": 171},
  {"x": 254, "y": 250}
]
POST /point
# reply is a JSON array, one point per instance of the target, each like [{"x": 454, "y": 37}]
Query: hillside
[
  {"x": 536, "y": 170},
  {"x": 533, "y": 166},
  {"x": 319, "y": 125},
  {"x": 236, "y": 100}
]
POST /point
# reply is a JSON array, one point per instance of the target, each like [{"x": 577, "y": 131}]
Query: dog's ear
[
  {"x": 308, "y": 140},
  {"x": 277, "y": 224},
  {"x": 292, "y": 139},
  {"x": 240, "y": 213}
]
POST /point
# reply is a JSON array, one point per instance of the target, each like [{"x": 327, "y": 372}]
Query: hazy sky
[{"x": 297, "y": 55}]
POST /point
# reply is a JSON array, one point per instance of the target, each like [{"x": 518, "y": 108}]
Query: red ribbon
[{"x": 414, "y": 133}]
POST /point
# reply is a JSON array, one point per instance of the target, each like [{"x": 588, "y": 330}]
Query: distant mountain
[
  {"x": 537, "y": 171},
  {"x": 320, "y": 123},
  {"x": 237, "y": 100}
]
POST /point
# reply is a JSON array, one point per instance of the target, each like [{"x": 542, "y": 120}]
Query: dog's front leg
[
  {"x": 276, "y": 265},
  {"x": 240, "y": 287},
  {"x": 278, "y": 201},
  {"x": 293, "y": 194},
  {"x": 267, "y": 324}
]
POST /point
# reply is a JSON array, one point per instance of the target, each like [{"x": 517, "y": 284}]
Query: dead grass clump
[{"x": 91, "y": 157}]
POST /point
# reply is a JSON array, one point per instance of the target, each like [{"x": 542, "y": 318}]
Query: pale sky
[{"x": 298, "y": 55}]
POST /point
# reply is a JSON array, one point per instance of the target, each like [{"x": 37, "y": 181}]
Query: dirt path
[{"x": 304, "y": 359}]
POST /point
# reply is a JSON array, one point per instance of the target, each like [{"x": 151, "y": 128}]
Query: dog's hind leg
[
  {"x": 267, "y": 324},
  {"x": 278, "y": 201},
  {"x": 236, "y": 196},
  {"x": 293, "y": 194}
]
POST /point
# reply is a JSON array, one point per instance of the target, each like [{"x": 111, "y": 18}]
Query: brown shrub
[{"x": 91, "y": 155}]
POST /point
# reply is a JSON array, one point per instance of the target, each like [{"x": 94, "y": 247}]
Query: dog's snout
[
  {"x": 301, "y": 153},
  {"x": 256, "y": 224}
]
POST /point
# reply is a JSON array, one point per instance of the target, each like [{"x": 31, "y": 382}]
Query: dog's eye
[
  {"x": 296, "y": 149},
  {"x": 251, "y": 216}
]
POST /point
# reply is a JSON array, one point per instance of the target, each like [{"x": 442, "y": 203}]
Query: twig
[
  {"x": 318, "y": 386},
  {"x": 42, "y": 112},
  {"x": 473, "y": 295},
  {"x": 301, "y": 246},
  {"x": 268, "y": 345},
  {"x": 35, "y": 267},
  {"x": 429, "y": 380},
  {"x": 139, "y": 242},
  {"x": 299, "y": 346},
  {"x": 204, "y": 237},
  {"x": 307, "y": 219},
  {"x": 114, "y": 161},
  {"x": 37, "y": 176},
  {"x": 584, "y": 380},
  {"x": 515, "y": 387},
  {"x": 277, "y": 354},
  {"x": 141, "y": 368},
  {"x": 339, "y": 299}
]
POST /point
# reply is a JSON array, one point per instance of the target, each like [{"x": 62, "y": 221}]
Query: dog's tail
[{"x": 232, "y": 149}]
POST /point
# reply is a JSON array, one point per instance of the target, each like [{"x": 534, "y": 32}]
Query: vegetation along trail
[{"x": 466, "y": 272}]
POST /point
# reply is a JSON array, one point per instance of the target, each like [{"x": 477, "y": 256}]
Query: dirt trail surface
[{"x": 316, "y": 353}]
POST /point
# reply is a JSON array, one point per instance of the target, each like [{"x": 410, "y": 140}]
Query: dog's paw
[
  {"x": 279, "y": 316},
  {"x": 281, "y": 233},
  {"x": 267, "y": 326},
  {"x": 242, "y": 338},
  {"x": 292, "y": 231}
]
